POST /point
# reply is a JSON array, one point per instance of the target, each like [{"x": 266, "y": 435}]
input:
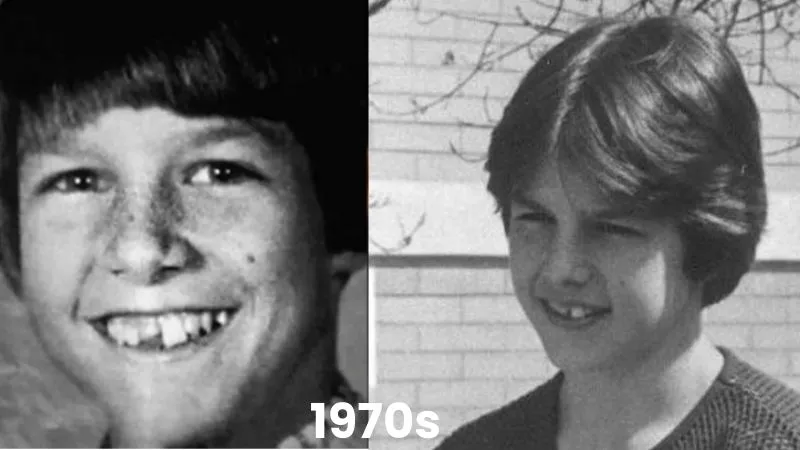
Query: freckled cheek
[
  {"x": 56, "y": 246},
  {"x": 253, "y": 233}
]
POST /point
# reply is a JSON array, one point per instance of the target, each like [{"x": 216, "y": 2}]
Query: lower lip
[
  {"x": 177, "y": 353},
  {"x": 572, "y": 324}
]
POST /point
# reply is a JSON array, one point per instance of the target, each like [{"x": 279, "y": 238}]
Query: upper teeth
[
  {"x": 172, "y": 328},
  {"x": 573, "y": 312}
]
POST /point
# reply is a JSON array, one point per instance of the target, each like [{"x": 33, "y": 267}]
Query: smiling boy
[
  {"x": 628, "y": 173},
  {"x": 178, "y": 217}
]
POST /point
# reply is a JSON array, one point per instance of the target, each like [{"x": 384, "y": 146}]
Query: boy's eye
[
  {"x": 220, "y": 172},
  {"x": 619, "y": 230},
  {"x": 535, "y": 216},
  {"x": 80, "y": 180}
]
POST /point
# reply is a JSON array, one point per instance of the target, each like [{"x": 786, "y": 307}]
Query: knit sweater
[{"x": 743, "y": 409}]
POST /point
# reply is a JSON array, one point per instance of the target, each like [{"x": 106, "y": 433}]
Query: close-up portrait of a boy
[{"x": 180, "y": 197}]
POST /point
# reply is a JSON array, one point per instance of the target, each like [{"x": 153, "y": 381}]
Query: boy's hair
[
  {"x": 291, "y": 66},
  {"x": 658, "y": 115}
]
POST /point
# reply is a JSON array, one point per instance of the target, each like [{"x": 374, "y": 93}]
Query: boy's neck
[{"x": 636, "y": 407}]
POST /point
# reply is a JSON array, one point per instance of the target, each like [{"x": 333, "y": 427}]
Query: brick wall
[
  {"x": 452, "y": 338},
  {"x": 450, "y": 335}
]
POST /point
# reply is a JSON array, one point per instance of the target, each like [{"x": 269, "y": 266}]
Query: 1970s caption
[{"x": 398, "y": 419}]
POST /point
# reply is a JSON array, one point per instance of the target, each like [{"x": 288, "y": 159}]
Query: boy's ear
[{"x": 343, "y": 266}]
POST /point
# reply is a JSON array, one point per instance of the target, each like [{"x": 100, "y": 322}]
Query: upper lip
[
  {"x": 174, "y": 310},
  {"x": 155, "y": 300}
]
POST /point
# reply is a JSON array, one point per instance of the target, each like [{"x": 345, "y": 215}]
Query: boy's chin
[{"x": 166, "y": 423}]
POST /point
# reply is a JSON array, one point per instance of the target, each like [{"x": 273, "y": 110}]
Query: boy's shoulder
[
  {"x": 527, "y": 422},
  {"x": 753, "y": 408}
]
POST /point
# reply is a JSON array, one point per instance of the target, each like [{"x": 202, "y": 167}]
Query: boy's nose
[
  {"x": 567, "y": 265},
  {"x": 144, "y": 247}
]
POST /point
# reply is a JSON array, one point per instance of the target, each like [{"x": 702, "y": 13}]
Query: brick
[
  {"x": 769, "y": 284},
  {"x": 773, "y": 362},
  {"x": 416, "y": 366},
  {"x": 794, "y": 363},
  {"x": 775, "y": 150},
  {"x": 793, "y": 309},
  {"x": 492, "y": 83},
  {"x": 785, "y": 71},
  {"x": 392, "y": 165},
  {"x": 461, "y": 280},
  {"x": 417, "y": 137},
  {"x": 739, "y": 309},
  {"x": 397, "y": 337},
  {"x": 473, "y": 110},
  {"x": 449, "y": 167},
  {"x": 395, "y": 107},
  {"x": 419, "y": 310},
  {"x": 507, "y": 365},
  {"x": 494, "y": 309},
  {"x": 516, "y": 389},
  {"x": 396, "y": 280},
  {"x": 479, "y": 337},
  {"x": 733, "y": 336},
  {"x": 483, "y": 6},
  {"x": 776, "y": 125},
  {"x": 770, "y": 98},
  {"x": 776, "y": 336},
  {"x": 520, "y": 60},
  {"x": 412, "y": 79},
  {"x": 461, "y": 393},
  {"x": 389, "y": 50},
  {"x": 440, "y": 53},
  {"x": 473, "y": 30},
  {"x": 475, "y": 139},
  {"x": 535, "y": 11},
  {"x": 390, "y": 392},
  {"x": 408, "y": 23}
]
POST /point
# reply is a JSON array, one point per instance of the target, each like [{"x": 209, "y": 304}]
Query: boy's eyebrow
[
  {"x": 208, "y": 136},
  {"x": 518, "y": 197},
  {"x": 220, "y": 133},
  {"x": 276, "y": 136},
  {"x": 606, "y": 213}
]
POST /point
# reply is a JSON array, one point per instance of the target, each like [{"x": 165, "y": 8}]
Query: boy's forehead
[
  {"x": 128, "y": 125},
  {"x": 558, "y": 182}
]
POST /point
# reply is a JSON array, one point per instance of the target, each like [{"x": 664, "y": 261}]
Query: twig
[
  {"x": 762, "y": 62},
  {"x": 376, "y": 6},
  {"x": 732, "y": 22}
]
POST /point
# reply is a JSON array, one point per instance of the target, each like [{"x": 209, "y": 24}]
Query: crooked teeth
[
  {"x": 206, "y": 321},
  {"x": 191, "y": 324},
  {"x": 573, "y": 312},
  {"x": 172, "y": 332},
  {"x": 168, "y": 330},
  {"x": 577, "y": 313}
]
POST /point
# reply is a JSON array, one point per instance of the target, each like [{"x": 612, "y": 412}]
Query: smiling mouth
[
  {"x": 161, "y": 332},
  {"x": 577, "y": 315}
]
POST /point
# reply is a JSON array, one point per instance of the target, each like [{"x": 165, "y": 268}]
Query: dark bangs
[
  {"x": 643, "y": 122},
  {"x": 277, "y": 63},
  {"x": 65, "y": 81}
]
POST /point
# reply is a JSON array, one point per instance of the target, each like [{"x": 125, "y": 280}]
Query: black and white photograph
[
  {"x": 584, "y": 223},
  {"x": 184, "y": 225}
]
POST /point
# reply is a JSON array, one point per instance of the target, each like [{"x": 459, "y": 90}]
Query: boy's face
[
  {"x": 169, "y": 263},
  {"x": 604, "y": 292}
]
